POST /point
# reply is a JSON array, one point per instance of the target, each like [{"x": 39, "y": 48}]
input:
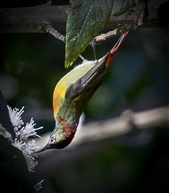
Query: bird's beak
[
  {"x": 115, "y": 48},
  {"x": 47, "y": 146}
]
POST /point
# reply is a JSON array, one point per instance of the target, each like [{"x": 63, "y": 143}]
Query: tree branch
[
  {"x": 124, "y": 124},
  {"x": 90, "y": 136},
  {"x": 31, "y": 19}
]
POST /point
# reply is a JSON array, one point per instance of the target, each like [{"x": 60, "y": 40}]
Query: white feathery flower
[
  {"x": 30, "y": 160},
  {"x": 29, "y": 130},
  {"x": 27, "y": 150},
  {"x": 22, "y": 133},
  {"x": 15, "y": 116},
  {"x": 19, "y": 144},
  {"x": 29, "y": 157},
  {"x": 31, "y": 147}
]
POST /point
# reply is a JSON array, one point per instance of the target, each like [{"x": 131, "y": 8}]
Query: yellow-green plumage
[
  {"x": 69, "y": 79},
  {"x": 73, "y": 80}
]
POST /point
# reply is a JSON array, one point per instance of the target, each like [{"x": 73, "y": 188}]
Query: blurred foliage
[{"x": 138, "y": 79}]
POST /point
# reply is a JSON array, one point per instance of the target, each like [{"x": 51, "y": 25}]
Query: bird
[{"x": 71, "y": 95}]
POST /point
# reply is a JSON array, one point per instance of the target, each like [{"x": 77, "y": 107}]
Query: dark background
[{"x": 138, "y": 79}]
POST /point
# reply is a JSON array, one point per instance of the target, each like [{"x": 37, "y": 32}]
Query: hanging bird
[{"x": 71, "y": 95}]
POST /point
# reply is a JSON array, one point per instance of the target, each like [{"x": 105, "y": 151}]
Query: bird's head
[{"x": 60, "y": 137}]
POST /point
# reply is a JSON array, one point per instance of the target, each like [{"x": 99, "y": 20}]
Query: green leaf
[
  {"x": 121, "y": 6},
  {"x": 85, "y": 21}
]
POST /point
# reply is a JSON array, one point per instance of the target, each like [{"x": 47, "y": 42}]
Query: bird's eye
[{"x": 52, "y": 139}]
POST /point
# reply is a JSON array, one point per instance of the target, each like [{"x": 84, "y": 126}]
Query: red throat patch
[{"x": 69, "y": 130}]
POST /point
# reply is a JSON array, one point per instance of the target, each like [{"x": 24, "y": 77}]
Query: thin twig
[
  {"x": 107, "y": 35},
  {"x": 49, "y": 29}
]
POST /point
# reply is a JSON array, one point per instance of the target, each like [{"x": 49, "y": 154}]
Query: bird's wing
[{"x": 89, "y": 81}]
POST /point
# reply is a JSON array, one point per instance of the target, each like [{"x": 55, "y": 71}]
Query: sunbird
[{"x": 71, "y": 95}]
